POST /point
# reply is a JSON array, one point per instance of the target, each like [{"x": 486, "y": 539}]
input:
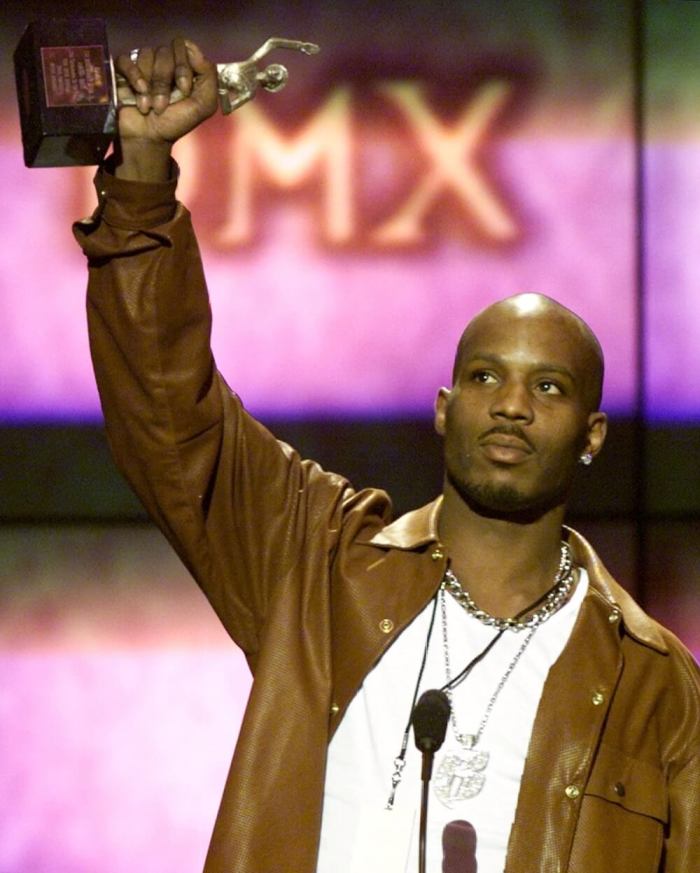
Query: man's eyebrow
[{"x": 540, "y": 366}]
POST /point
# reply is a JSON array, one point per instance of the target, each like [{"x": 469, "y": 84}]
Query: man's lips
[{"x": 506, "y": 447}]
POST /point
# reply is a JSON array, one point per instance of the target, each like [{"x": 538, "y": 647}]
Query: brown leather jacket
[{"x": 313, "y": 582}]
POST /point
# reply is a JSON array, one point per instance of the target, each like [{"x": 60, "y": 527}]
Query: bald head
[{"x": 538, "y": 312}]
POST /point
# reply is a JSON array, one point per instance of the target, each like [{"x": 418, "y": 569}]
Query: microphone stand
[
  {"x": 429, "y": 719},
  {"x": 426, "y": 773}
]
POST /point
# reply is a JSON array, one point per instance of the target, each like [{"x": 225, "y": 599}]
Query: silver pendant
[{"x": 460, "y": 776}]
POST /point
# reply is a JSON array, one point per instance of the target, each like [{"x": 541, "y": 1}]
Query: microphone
[{"x": 429, "y": 718}]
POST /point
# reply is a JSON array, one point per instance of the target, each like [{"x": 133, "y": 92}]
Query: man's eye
[
  {"x": 483, "y": 376},
  {"x": 547, "y": 387}
]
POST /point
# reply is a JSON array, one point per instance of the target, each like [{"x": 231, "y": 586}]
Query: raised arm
[{"x": 239, "y": 507}]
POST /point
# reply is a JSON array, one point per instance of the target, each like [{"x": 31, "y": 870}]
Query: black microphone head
[{"x": 429, "y": 719}]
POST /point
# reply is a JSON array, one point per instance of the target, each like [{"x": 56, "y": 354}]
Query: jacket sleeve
[
  {"x": 682, "y": 843},
  {"x": 238, "y": 506}
]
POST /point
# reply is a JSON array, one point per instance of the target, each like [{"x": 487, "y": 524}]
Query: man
[{"x": 574, "y": 735}]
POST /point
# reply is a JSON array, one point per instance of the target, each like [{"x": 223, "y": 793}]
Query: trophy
[{"x": 68, "y": 91}]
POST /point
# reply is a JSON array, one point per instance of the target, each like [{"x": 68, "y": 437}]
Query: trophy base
[{"x": 65, "y": 91}]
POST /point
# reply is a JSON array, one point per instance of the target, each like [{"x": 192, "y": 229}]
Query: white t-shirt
[{"x": 358, "y": 834}]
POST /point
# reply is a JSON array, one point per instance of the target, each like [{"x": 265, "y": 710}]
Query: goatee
[{"x": 505, "y": 501}]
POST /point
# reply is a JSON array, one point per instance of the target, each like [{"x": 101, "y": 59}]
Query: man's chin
[{"x": 505, "y": 501}]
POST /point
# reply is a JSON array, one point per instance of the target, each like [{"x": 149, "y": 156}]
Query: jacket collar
[
  {"x": 639, "y": 625},
  {"x": 420, "y": 527},
  {"x": 412, "y": 530}
]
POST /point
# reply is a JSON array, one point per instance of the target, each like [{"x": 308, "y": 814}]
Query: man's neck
[{"x": 504, "y": 563}]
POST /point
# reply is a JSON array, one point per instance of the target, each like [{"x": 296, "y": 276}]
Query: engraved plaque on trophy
[
  {"x": 65, "y": 92},
  {"x": 68, "y": 93}
]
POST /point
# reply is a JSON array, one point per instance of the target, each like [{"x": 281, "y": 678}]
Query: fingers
[
  {"x": 152, "y": 74},
  {"x": 183, "y": 70},
  {"x": 205, "y": 83},
  {"x": 162, "y": 78},
  {"x": 195, "y": 58},
  {"x": 135, "y": 67}
]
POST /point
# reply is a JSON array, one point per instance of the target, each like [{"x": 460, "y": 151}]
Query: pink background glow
[
  {"x": 120, "y": 700},
  {"x": 285, "y": 302}
]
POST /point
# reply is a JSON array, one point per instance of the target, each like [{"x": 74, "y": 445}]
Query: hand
[{"x": 148, "y": 130}]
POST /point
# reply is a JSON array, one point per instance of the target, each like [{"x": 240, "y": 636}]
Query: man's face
[{"x": 518, "y": 417}]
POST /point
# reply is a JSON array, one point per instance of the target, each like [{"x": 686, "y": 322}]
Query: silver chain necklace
[
  {"x": 470, "y": 740},
  {"x": 460, "y": 775},
  {"x": 557, "y": 596},
  {"x": 553, "y": 601}
]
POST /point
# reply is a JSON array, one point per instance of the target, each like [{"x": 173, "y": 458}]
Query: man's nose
[{"x": 512, "y": 401}]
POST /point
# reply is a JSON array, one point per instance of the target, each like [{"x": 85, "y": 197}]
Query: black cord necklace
[
  {"x": 400, "y": 759},
  {"x": 462, "y": 675}
]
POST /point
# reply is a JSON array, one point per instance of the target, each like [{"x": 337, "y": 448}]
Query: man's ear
[
  {"x": 597, "y": 431},
  {"x": 441, "y": 402}
]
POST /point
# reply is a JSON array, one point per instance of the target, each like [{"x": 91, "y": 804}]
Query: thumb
[{"x": 206, "y": 83}]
